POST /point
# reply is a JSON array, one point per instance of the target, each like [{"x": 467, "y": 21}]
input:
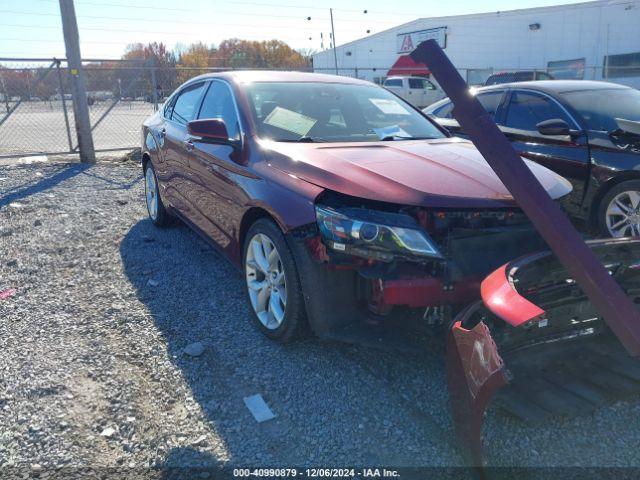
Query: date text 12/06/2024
[{"x": 317, "y": 472}]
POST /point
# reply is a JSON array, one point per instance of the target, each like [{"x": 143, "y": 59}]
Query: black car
[
  {"x": 587, "y": 131},
  {"x": 519, "y": 76}
]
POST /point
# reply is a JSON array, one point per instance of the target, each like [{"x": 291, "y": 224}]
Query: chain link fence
[
  {"x": 36, "y": 112},
  {"x": 36, "y": 108}
]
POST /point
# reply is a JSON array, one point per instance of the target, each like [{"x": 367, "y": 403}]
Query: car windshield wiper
[
  {"x": 302, "y": 140},
  {"x": 393, "y": 138}
]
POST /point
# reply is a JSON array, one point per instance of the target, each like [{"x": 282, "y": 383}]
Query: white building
[{"x": 591, "y": 40}]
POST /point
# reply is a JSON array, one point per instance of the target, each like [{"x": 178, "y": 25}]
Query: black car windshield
[
  {"x": 334, "y": 112},
  {"x": 599, "y": 108}
]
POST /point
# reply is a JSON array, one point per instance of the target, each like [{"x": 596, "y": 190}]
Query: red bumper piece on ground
[
  {"x": 475, "y": 372},
  {"x": 503, "y": 300}
]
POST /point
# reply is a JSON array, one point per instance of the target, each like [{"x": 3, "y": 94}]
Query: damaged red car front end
[{"x": 536, "y": 344}]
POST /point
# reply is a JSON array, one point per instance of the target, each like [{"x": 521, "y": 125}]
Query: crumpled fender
[{"x": 475, "y": 371}]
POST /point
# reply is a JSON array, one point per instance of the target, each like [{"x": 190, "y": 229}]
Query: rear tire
[
  {"x": 155, "y": 208},
  {"x": 273, "y": 288},
  {"x": 619, "y": 210}
]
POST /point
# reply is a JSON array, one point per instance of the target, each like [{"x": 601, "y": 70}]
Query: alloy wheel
[
  {"x": 623, "y": 215},
  {"x": 266, "y": 281},
  {"x": 151, "y": 193}
]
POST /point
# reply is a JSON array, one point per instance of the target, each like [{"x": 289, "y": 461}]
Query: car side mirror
[
  {"x": 554, "y": 126},
  {"x": 211, "y": 130},
  {"x": 451, "y": 124}
]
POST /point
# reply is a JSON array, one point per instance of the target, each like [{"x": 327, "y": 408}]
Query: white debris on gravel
[
  {"x": 87, "y": 346},
  {"x": 108, "y": 432},
  {"x": 259, "y": 408}
]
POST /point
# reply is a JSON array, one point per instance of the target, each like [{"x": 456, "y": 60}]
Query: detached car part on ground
[{"x": 536, "y": 343}]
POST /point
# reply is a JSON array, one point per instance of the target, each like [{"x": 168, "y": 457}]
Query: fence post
[
  {"x": 64, "y": 105},
  {"x": 78, "y": 82},
  {"x": 5, "y": 94},
  {"x": 154, "y": 86}
]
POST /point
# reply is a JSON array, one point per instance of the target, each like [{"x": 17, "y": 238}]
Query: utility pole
[
  {"x": 78, "y": 82},
  {"x": 333, "y": 37},
  {"x": 605, "y": 74}
]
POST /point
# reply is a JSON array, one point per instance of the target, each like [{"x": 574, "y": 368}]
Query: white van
[{"x": 418, "y": 91}]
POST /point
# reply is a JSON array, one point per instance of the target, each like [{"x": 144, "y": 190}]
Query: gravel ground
[{"x": 94, "y": 370}]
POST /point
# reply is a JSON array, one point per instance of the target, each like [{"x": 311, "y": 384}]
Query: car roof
[
  {"x": 546, "y": 86},
  {"x": 502, "y": 74},
  {"x": 406, "y": 76},
  {"x": 556, "y": 86},
  {"x": 249, "y": 76}
]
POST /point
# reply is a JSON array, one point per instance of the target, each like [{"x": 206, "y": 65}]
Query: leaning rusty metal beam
[{"x": 617, "y": 309}]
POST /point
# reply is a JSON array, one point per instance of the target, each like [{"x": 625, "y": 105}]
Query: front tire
[
  {"x": 273, "y": 287},
  {"x": 155, "y": 208},
  {"x": 619, "y": 212}
]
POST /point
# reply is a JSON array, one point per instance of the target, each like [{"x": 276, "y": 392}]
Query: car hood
[{"x": 447, "y": 172}]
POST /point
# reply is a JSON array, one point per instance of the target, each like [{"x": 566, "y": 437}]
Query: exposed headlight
[{"x": 371, "y": 234}]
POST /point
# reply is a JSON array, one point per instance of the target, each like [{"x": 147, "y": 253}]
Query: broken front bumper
[{"x": 536, "y": 334}]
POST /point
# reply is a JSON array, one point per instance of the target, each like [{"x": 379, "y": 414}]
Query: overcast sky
[{"x": 31, "y": 28}]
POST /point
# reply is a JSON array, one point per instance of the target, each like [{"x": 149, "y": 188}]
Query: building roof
[{"x": 405, "y": 66}]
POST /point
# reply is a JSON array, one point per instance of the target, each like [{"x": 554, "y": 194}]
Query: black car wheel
[
  {"x": 156, "y": 209},
  {"x": 272, "y": 283},
  {"x": 619, "y": 212}
]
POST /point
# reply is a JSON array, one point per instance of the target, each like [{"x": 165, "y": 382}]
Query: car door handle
[{"x": 188, "y": 144}]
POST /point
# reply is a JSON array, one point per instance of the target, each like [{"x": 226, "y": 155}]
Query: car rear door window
[
  {"x": 490, "y": 101},
  {"x": 416, "y": 83},
  {"x": 445, "y": 111},
  {"x": 186, "y": 105},
  {"x": 527, "y": 109},
  {"x": 168, "y": 107},
  {"x": 218, "y": 103}
]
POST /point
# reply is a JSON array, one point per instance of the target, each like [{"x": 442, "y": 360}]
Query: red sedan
[{"x": 339, "y": 201}]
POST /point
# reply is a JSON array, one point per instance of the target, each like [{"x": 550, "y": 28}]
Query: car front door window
[
  {"x": 218, "y": 103},
  {"x": 527, "y": 109}
]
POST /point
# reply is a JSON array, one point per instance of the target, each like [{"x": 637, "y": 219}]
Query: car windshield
[
  {"x": 334, "y": 112},
  {"x": 599, "y": 108}
]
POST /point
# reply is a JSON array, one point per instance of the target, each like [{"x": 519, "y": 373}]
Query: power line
[
  {"x": 259, "y": 4},
  {"x": 93, "y": 42},
  {"x": 161, "y": 32},
  {"x": 187, "y": 22}
]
